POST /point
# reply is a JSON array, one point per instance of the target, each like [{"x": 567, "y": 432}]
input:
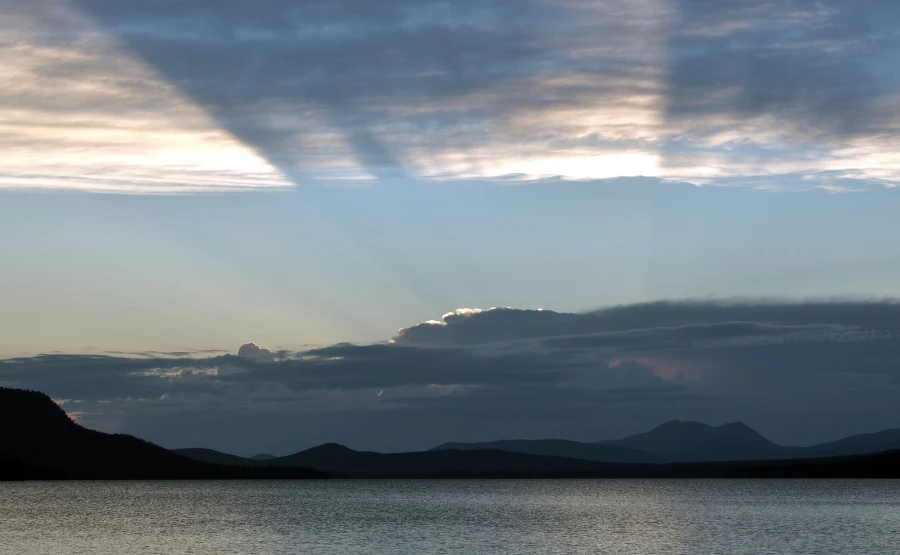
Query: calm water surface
[{"x": 471, "y": 517}]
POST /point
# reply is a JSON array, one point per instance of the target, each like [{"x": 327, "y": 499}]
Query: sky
[{"x": 181, "y": 179}]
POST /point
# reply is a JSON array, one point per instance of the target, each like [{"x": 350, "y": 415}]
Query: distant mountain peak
[
  {"x": 688, "y": 440},
  {"x": 683, "y": 424},
  {"x": 449, "y": 445},
  {"x": 330, "y": 448},
  {"x": 735, "y": 424},
  {"x": 737, "y": 427},
  {"x": 702, "y": 427}
]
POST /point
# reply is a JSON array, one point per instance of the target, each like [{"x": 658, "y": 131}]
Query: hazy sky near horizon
[
  {"x": 187, "y": 177},
  {"x": 315, "y": 266}
]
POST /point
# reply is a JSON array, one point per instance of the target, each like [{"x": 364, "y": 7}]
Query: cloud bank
[
  {"x": 800, "y": 372},
  {"x": 220, "y": 95}
]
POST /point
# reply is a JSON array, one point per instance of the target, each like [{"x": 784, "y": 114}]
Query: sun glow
[{"x": 590, "y": 166}]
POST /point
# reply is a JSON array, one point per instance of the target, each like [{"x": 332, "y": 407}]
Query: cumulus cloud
[
  {"x": 249, "y": 352},
  {"x": 253, "y": 351},
  {"x": 756, "y": 93},
  {"x": 803, "y": 371}
]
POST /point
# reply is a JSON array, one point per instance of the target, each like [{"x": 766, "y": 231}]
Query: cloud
[
  {"x": 409, "y": 88},
  {"x": 78, "y": 113},
  {"x": 253, "y": 351},
  {"x": 250, "y": 352},
  {"x": 801, "y": 372},
  {"x": 757, "y": 93},
  {"x": 682, "y": 322},
  {"x": 784, "y": 92}
]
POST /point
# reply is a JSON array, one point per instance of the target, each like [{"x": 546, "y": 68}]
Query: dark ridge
[
  {"x": 327, "y": 452},
  {"x": 340, "y": 461},
  {"x": 561, "y": 448},
  {"x": 262, "y": 457},
  {"x": 343, "y": 461},
  {"x": 884, "y": 465},
  {"x": 680, "y": 441},
  {"x": 12, "y": 470},
  {"x": 855, "y": 445},
  {"x": 217, "y": 457},
  {"x": 37, "y": 432},
  {"x": 695, "y": 441}
]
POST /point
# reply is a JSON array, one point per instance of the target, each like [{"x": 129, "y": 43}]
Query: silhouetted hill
[
  {"x": 694, "y": 441},
  {"x": 36, "y": 431},
  {"x": 15, "y": 470},
  {"x": 217, "y": 457},
  {"x": 711, "y": 448},
  {"x": 342, "y": 460},
  {"x": 885, "y": 440},
  {"x": 561, "y": 448}
]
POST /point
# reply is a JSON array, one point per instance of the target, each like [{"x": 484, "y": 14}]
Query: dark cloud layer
[
  {"x": 705, "y": 320},
  {"x": 820, "y": 65},
  {"x": 801, "y": 372}
]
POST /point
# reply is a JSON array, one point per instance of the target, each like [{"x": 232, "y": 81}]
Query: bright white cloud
[{"x": 253, "y": 351}]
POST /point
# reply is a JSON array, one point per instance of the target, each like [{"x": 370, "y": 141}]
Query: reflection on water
[{"x": 478, "y": 516}]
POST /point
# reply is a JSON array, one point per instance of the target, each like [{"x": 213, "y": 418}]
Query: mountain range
[
  {"x": 679, "y": 441},
  {"x": 39, "y": 441},
  {"x": 342, "y": 462},
  {"x": 674, "y": 449}
]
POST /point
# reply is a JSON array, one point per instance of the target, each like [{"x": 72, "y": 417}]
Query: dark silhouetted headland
[
  {"x": 15, "y": 470},
  {"x": 36, "y": 434}
]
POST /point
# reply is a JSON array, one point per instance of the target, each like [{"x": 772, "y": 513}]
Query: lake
[{"x": 446, "y": 516}]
